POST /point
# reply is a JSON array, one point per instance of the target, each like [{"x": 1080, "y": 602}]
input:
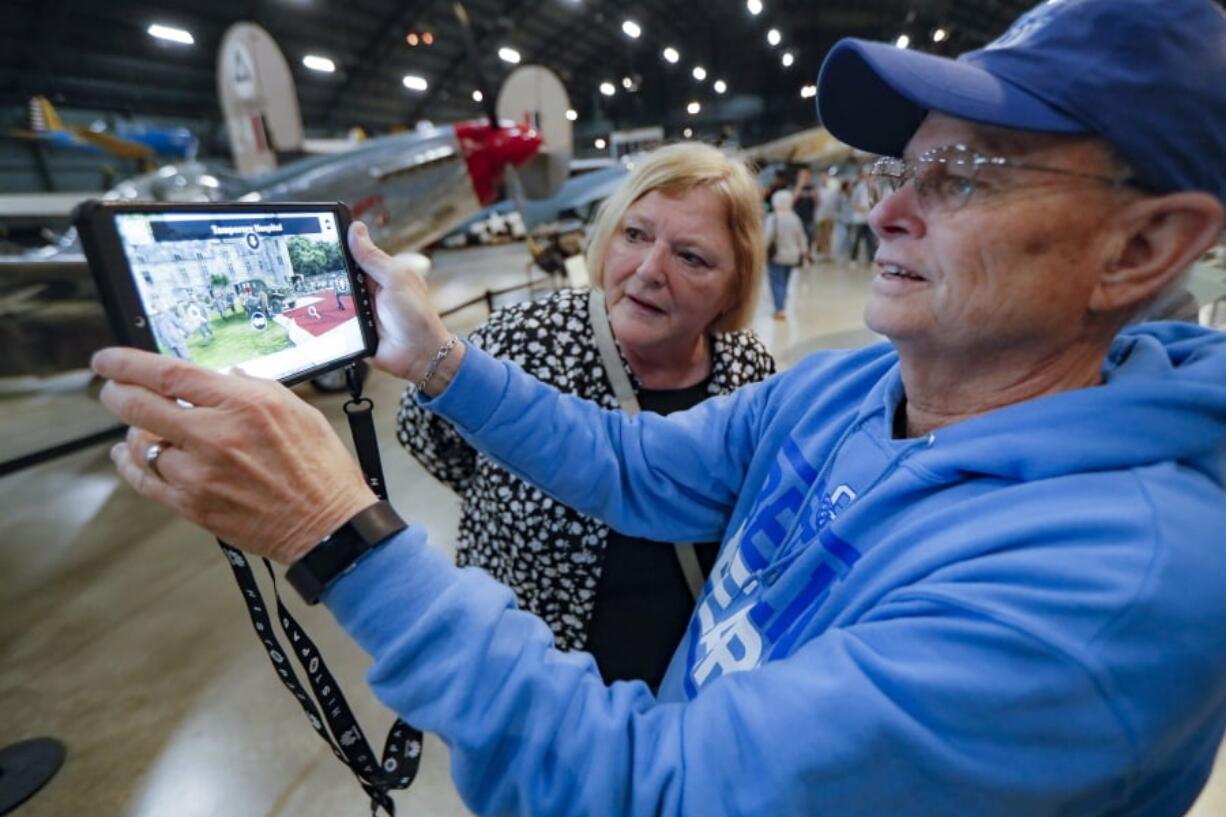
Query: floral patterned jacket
[{"x": 548, "y": 554}]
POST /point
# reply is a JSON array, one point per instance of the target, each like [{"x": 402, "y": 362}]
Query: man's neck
[
  {"x": 670, "y": 367},
  {"x": 954, "y": 389}
]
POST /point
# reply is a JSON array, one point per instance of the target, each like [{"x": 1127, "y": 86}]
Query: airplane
[
  {"x": 408, "y": 188},
  {"x": 125, "y": 141}
]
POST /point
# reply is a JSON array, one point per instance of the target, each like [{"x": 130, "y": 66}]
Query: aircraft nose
[{"x": 488, "y": 151}]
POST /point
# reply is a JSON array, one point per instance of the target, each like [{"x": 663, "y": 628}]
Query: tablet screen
[{"x": 268, "y": 292}]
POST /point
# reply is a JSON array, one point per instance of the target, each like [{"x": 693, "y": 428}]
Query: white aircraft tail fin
[
  {"x": 533, "y": 95},
  {"x": 258, "y": 98}
]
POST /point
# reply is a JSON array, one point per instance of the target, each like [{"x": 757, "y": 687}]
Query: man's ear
[{"x": 1161, "y": 237}]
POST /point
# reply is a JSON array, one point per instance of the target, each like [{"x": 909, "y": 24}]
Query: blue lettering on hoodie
[{"x": 734, "y": 628}]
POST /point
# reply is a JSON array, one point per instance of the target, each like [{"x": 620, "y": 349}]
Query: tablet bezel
[{"x": 97, "y": 228}]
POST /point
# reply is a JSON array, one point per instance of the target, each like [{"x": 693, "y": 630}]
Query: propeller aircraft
[{"x": 124, "y": 141}]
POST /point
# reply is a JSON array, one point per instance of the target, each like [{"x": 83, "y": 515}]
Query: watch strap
[{"x": 335, "y": 555}]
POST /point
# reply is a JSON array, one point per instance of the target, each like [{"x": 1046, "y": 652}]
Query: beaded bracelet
[{"x": 438, "y": 358}]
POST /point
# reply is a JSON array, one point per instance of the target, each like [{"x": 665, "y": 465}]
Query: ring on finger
[{"x": 151, "y": 457}]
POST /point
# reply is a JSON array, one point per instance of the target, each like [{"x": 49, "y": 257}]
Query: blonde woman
[{"x": 677, "y": 253}]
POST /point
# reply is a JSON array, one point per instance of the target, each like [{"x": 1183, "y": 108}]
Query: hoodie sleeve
[
  {"x": 647, "y": 475},
  {"x": 429, "y": 438},
  {"x": 893, "y": 715}
]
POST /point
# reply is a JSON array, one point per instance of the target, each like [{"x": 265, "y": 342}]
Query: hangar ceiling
[{"x": 99, "y": 56}]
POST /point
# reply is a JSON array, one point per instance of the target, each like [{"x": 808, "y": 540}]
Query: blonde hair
[{"x": 675, "y": 170}]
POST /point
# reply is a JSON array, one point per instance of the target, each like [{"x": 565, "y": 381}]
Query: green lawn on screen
[{"x": 234, "y": 340}]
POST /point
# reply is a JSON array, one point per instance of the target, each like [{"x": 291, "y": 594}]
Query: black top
[
  {"x": 643, "y": 602},
  {"x": 804, "y": 205}
]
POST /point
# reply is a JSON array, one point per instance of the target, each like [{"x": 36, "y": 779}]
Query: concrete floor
[{"x": 123, "y": 634}]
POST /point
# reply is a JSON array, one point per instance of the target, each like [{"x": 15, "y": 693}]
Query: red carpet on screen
[{"x": 329, "y": 316}]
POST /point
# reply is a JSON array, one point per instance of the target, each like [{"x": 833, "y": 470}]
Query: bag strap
[
  {"x": 609, "y": 356},
  {"x": 687, "y": 557},
  {"x": 328, "y": 712}
]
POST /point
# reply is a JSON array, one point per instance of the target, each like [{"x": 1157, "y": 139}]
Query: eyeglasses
[{"x": 946, "y": 177}]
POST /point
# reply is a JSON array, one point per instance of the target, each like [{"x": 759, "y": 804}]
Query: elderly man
[{"x": 973, "y": 571}]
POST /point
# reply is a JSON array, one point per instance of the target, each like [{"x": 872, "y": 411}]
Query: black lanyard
[{"x": 402, "y": 749}]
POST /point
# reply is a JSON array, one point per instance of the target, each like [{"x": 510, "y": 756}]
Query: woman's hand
[
  {"x": 410, "y": 331},
  {"x": 249, "y": 461}
]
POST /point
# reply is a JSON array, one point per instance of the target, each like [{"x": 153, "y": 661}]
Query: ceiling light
[
  {"x": 631, "y": 29},
  {"x": 478, "y": 96},
  {"x": 315, "y": 63},
  {"x": 411, "y": 38},
  {"x": 607, "y": 89},
  {"x": 427, "y": 38},
  {"x": 720, "y": 86},
  {"x": 774, "y": 37},
  {"x": 687, "y": 133},
  {"x": 754, "y": 6},
  {"x": 671, "y": 54},
  {"x": 903, "y": 41},
  {"x": 808, "y": 91},
  {"x": 170, "y": 34},
  {"x": 415, "y": 83},
  {"x": 508, "y": 54},
  {"x": 699, "y": 73},
  {"x": 939, "y": 35},
  {"x": 628, "y": 83},
  {"x": 571, "y": 114},
  {"x": 600, "y": 143},
  {"x": 787, "y": 59},
  {"x": 693, "y": 108}
]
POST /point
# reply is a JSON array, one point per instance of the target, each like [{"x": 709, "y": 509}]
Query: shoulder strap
[
  {"x": 687, "y": 557},
  {"x": 609, "y": 355},
  {"x": 624, "y": 392}
]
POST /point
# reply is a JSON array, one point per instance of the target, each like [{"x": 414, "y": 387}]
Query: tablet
[{"x": 270, "y": 288}]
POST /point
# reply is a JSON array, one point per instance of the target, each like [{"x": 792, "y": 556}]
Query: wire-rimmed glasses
[{"x": 945, "y": 177}]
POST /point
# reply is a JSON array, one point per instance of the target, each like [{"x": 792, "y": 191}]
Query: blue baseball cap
[{"x": 1147, "y": 76}]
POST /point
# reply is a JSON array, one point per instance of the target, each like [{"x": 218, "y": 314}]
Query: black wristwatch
[{"x": 342, "y": 550}]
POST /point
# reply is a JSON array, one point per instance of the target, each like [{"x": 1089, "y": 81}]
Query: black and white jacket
[{"x": 547, "y": 553}]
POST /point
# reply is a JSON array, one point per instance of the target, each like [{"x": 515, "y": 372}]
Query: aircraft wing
[
  {"x": 38, "y": 209},
  {"x": 53, "y": 139},
  {"x": 579, "y": 193},
  {"x": 580, "y": 166},
  {"x": 812, "y": 146},
  {"x": 123, "y": 148}
]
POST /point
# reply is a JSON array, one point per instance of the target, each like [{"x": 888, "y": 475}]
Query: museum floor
[{"x": 122, "y": 633}]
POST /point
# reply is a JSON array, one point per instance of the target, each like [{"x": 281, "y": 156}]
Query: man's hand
[
  {"x": 249, "y": 461},
  {"x": 410, "y": 331}
]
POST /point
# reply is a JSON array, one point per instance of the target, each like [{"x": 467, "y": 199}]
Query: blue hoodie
[{"x": 1021, "y": 614}]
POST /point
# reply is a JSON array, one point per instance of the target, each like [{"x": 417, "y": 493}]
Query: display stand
[{"x": 25, "y": 768}]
